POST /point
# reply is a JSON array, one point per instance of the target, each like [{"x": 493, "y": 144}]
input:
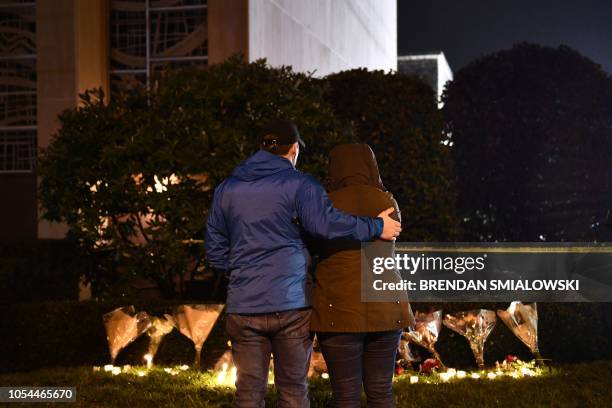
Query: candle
[
  {"x": 222, "y": 374},
  {"x": 149, "y": 359},
  {"x": 233, "y": 376}
]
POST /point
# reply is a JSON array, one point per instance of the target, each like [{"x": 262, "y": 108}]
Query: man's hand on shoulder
[{"x": 391, "y": 228}]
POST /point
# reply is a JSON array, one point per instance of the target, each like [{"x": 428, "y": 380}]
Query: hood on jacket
[
  {"x": 261, "y": 164},
  {"x": 353, "y": 164}
]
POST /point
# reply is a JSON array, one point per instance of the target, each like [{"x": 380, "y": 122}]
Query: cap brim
[{"x": 301, "y": 142}]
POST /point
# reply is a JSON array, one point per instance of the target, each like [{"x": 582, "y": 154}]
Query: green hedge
[
  {"x": 40, "y": 270},
  {"x": 50, "y": 334}
]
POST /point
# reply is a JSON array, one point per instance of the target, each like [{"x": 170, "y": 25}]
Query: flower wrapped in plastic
[
  {"x": 404, "y": 352},
  {"x": 160, "y": 326},
  {"x": 123, "y": 325},
  {"x": 522, "y": 320},
  {"x": 475, "y": 326},
  {"x": 317, "y": 366},
  {"x": 196, "y": 322},
  {"x": 426, "y": 331},
  {"x": 430, "y": 365}
]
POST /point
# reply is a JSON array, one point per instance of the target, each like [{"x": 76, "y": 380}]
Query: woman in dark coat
[{"x": 358, "y": 339}]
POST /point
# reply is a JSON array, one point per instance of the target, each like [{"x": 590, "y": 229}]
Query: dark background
[{"x": 467, "y": 29}]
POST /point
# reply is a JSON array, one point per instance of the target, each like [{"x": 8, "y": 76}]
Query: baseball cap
[{"x": 280, "y": 132}]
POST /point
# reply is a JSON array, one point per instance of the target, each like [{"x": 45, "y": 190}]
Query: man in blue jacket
[{"x": 255, "y": 234}]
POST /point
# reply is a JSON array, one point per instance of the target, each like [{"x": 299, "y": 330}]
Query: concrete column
[
  {"x": 228, "y": 29},
  {"x": 72, "y": 47},
  {"x": 92, "y": 45}
]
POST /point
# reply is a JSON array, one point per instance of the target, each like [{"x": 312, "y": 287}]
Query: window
[
  {"x": 17, "y": 86},
  {"x": 146, "y": 35}
]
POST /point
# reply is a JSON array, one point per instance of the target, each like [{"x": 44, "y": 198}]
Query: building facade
[
  {"x": 432, "y": 68},
  {"x": 53, "y": 50}
]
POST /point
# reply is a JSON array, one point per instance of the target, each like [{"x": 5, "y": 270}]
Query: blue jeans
[
  {"x": 354, "y": 359},
  {"x": 254, "y": 337}
]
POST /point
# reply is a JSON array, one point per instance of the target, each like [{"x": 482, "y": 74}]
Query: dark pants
[
  {"x": 254, "y": 337},
  {"x": 354, "y": 359}
]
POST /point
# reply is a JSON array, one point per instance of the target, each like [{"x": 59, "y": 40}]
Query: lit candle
[
  {"x": 491, "y": 376},
  {"x": 108, "y": 367},
  {"x": 222, "y": 374},
  {"x": 271, "y": 377},
  {"x": 528, "y": 372},
  {"x": 461, "y": 374},
  {"x": 149, "y": 359},
  {"x": 445, "y": 376},
  {"x": 414, "y": 379},
  {"x": 233, "y": 376},
  {"x": 475, "y": 376},
  {"x": 116, "y": 370}
]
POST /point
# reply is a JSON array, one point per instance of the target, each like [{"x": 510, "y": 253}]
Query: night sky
[{"x": 466, "y": 29}]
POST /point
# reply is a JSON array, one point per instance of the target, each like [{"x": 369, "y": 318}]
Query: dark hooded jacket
[
  {"x": 255, "y": 233},
  {"x": 354, "y": 186}
]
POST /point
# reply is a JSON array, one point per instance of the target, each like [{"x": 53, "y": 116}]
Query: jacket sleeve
[
  {"x": 217, "y": 235},
  {"x": 321, "y": 219}
]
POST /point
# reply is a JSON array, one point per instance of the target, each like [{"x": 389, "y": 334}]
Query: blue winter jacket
[{"x": 255, "y": 228}]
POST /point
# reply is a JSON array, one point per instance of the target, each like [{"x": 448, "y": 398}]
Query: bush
[
  {"x": 134, "y": 178},
  {"x": 398, "y": 117},
  {"x": 532, "y": 144},
  {"x": 52, "y": 334},
  {"x": 40, "y": 270}
]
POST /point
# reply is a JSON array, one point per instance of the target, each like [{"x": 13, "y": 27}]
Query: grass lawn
[{"x": 579, "y": 385}]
